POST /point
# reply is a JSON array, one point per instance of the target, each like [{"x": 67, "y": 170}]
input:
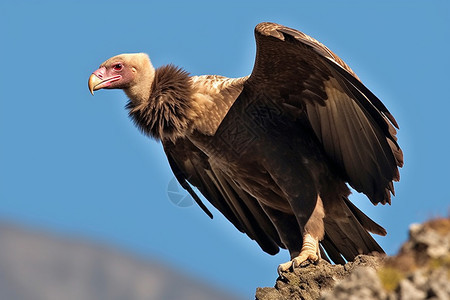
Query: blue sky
[{"x": 75, "y": 164}]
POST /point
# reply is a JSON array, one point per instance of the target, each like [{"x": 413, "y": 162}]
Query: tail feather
[
  {"x": 364, "y": 220},
  {"x": 331, "y": 251},
  {"x": 346, "y": 233}
]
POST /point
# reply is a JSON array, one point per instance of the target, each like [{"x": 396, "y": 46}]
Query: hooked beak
[{"x": 97, "y": 80}]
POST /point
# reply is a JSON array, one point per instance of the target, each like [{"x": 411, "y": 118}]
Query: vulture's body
[{"x": 272, "y": 151}]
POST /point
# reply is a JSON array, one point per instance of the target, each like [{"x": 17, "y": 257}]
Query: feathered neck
[{"x": 168, "y": 111}]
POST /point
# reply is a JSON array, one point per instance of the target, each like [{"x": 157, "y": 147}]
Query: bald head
[
  {"x": 132, "y": 59},
  {"x": 132, "y": 72}
]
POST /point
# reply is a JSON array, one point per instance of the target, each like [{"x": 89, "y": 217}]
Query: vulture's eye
[{"x": 118, "y": 67}]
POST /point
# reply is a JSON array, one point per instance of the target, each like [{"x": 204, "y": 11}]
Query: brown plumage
[
  {"x": 168, "y": 113},
  {"x": 272, "y": 151}
]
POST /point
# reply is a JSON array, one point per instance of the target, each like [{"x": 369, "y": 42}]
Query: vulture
[{"x": 276, "y": 151}]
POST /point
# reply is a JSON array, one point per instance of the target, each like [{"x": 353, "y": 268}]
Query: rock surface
[{"x": 421, "y": 270}]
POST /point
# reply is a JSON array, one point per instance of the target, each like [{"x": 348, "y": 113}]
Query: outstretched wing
[
  {"x": 191, "y": 166},
  {"x": 355, "y": 128}
]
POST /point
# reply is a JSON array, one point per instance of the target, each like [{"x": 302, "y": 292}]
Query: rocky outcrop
[{"x": 421, "y": 270}]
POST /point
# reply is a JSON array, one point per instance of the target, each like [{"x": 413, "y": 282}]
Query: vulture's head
[
  {"x": 159, "y": 99},
  {"x": 131, "y": 72}
]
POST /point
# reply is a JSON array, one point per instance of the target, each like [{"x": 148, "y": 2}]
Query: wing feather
[
  {"x": 191, "y": 166},
  {"x": 355, "y": 128}
]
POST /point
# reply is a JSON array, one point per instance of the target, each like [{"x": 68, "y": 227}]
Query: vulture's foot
[{"x": 310, "y": 253}]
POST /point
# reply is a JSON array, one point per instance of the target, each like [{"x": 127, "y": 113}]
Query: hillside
[{"x": 41, "y": 266}]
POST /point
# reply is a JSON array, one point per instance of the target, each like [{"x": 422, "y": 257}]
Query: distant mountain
[{"x": 40, "y": 266}]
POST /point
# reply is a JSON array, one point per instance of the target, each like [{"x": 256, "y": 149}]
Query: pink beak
[{"x": 98, "y": 80}]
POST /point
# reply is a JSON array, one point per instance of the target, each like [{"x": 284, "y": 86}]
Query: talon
[
  {"x": 306, "y": 263},
  {"x": 297, "y": 263},
  {"x": 310, "y": 254},
  {"x": 283, "y": 268},
  {"x": 279, "y": 272}
]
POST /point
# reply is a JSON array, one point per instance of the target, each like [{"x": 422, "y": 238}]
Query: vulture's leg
[
  {"x": 313, "y": 233},
  {"x": 298, "y": 179}
]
